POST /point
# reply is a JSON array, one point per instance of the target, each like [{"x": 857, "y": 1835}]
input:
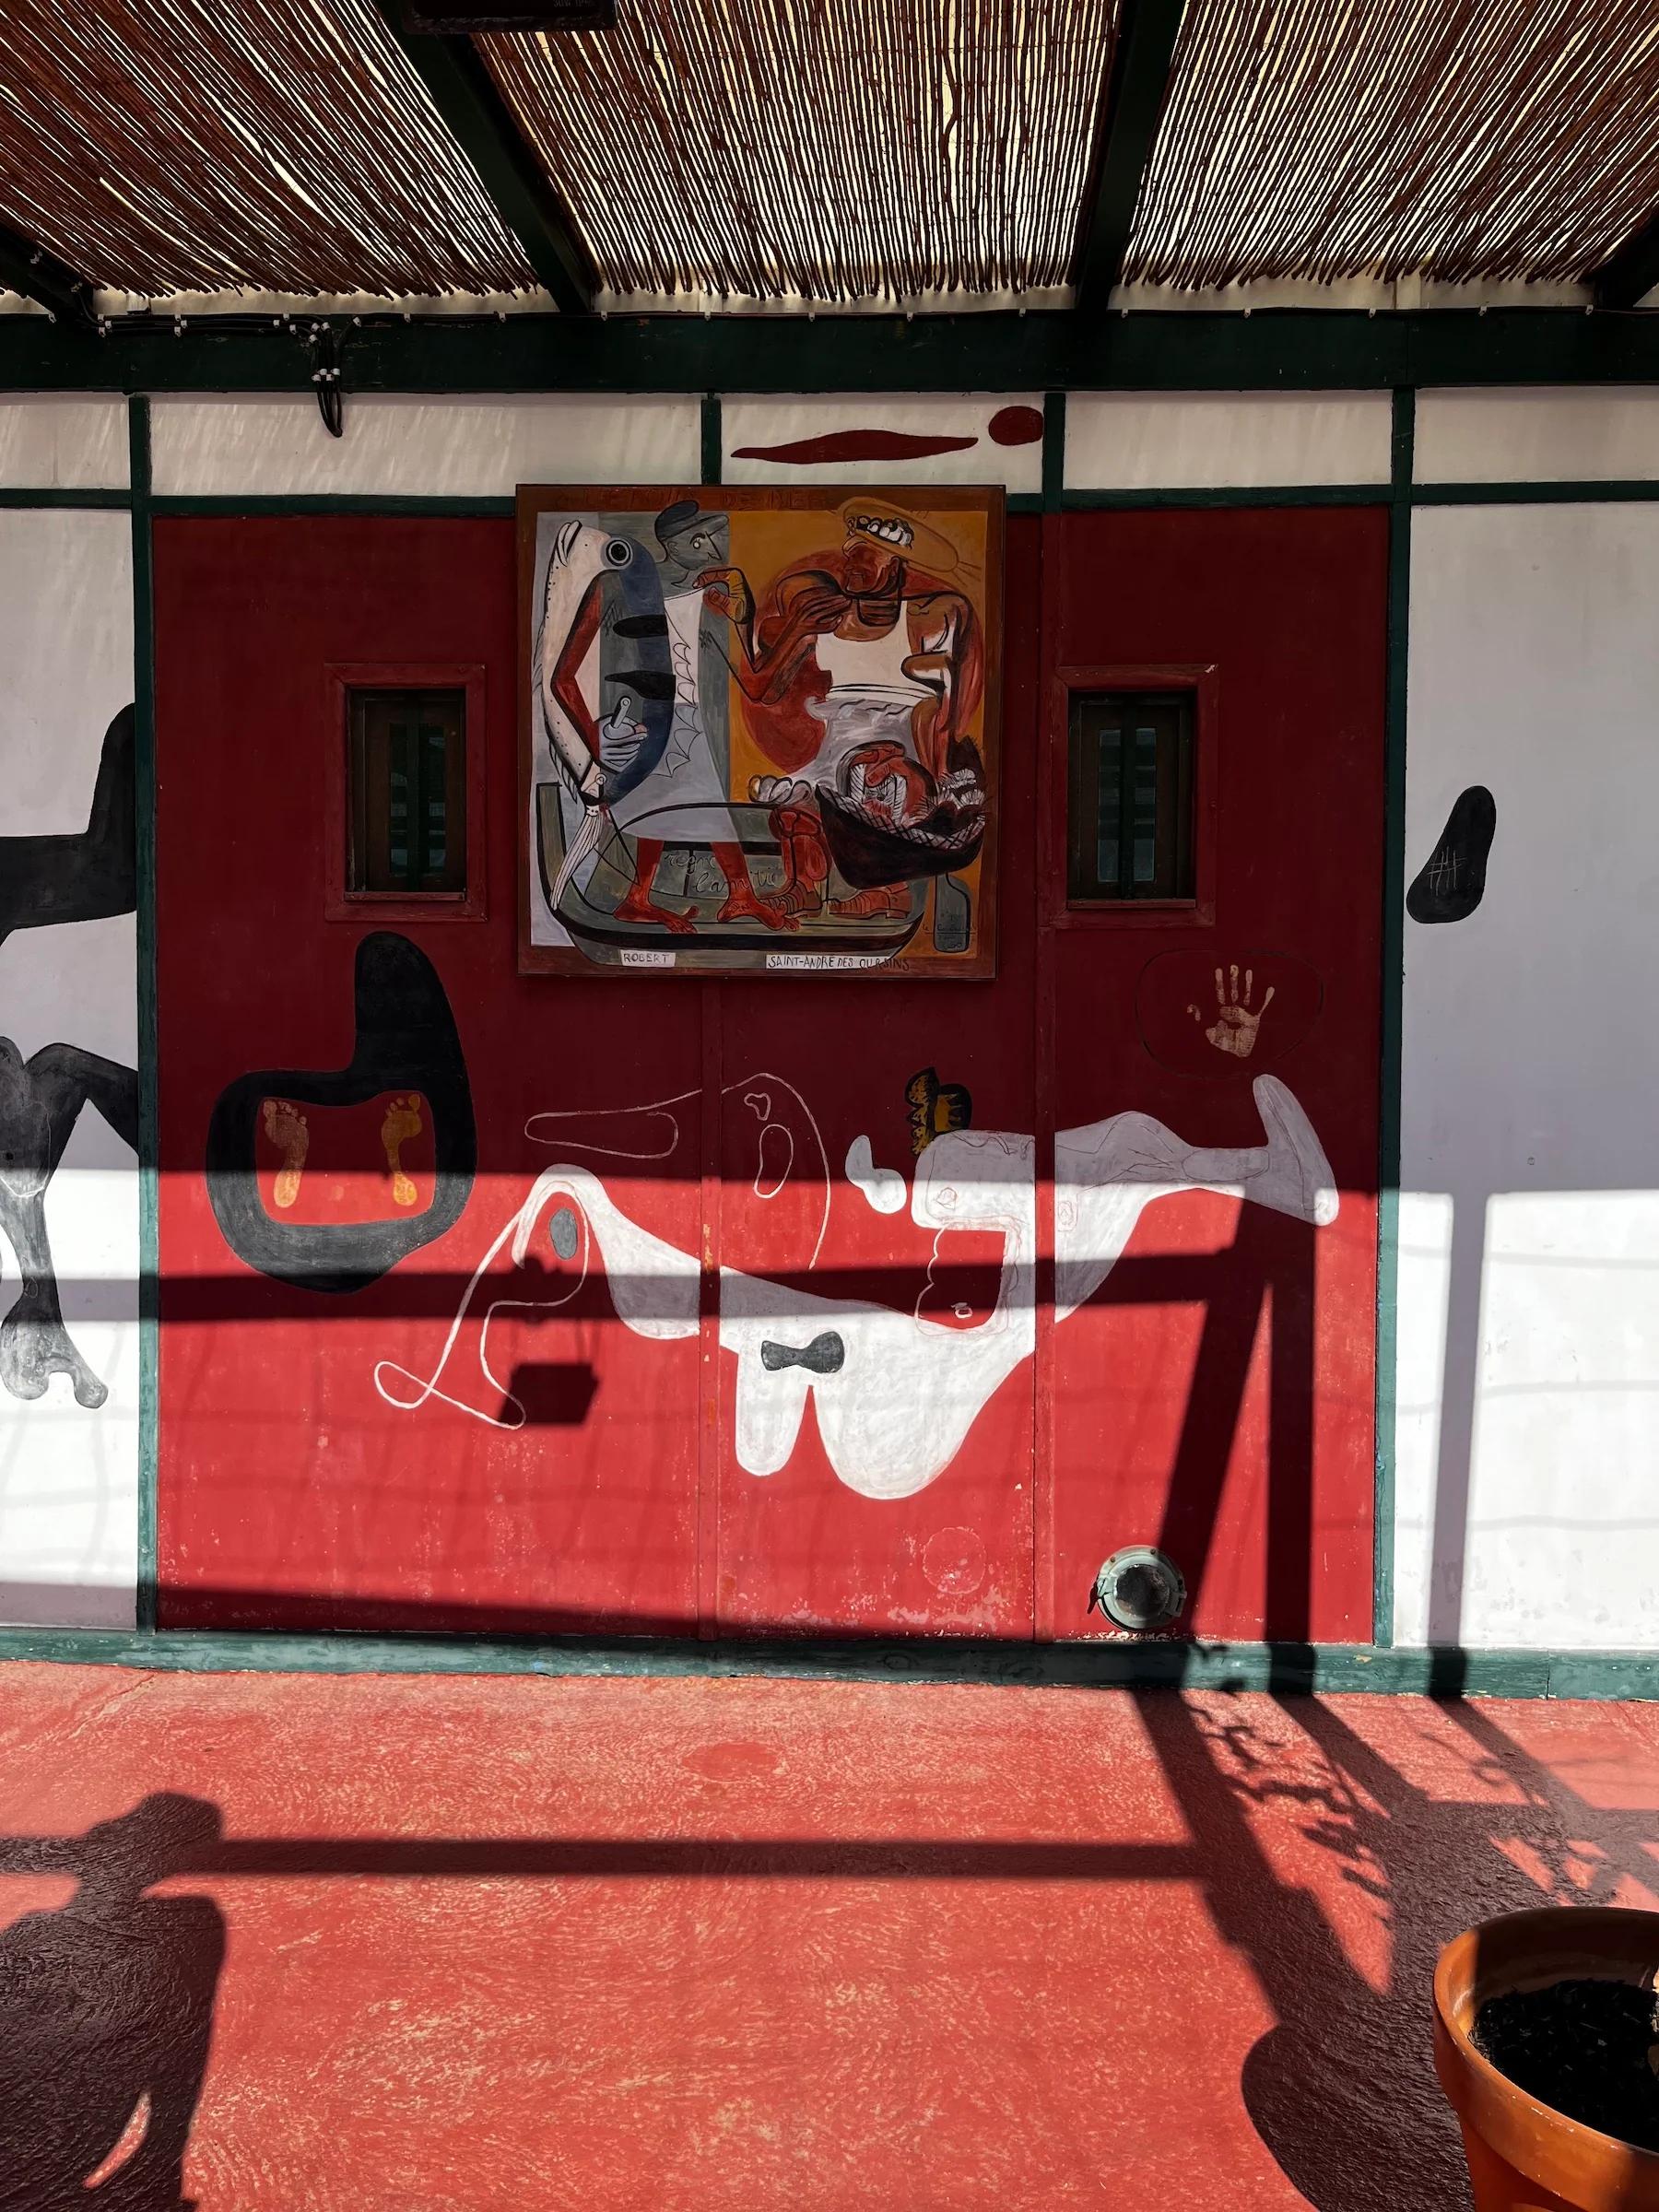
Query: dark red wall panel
[
  {"x": 1214, "y": 1394},
  {"x": 291, "y": 1492}
]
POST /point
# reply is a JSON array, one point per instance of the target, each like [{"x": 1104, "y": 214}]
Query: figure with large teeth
[{"x": 863, "y": 669}]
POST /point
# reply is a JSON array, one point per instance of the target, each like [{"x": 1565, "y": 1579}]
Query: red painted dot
[{"x": 1016, "y": 426}]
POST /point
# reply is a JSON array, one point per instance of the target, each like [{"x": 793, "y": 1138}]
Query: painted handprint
[{"x": 1235, "y": 1026}]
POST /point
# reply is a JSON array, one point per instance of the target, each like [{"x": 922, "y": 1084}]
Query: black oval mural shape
[
  {"x": 405, "y": 1041},
  {"x": 1450, "y": 884}
]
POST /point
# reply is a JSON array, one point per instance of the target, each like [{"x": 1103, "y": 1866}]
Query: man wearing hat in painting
[{"x": 865, "y": 667}]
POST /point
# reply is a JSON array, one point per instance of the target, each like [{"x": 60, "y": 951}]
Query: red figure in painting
[{"x": 862, "y": 670}]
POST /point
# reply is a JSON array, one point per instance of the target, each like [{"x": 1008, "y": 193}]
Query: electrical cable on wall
[{"x": 331, "y": 399}]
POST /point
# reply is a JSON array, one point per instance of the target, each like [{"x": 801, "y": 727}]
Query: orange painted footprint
[
  {"x": 286, "y": 1127},
  {"x": 402, "y": 1122}
]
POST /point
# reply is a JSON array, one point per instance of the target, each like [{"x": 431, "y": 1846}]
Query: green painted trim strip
[
  {"x": 1054, "y": 451},
  {"x": 713, "y": 439},
  {"x": 1287, "y": 349},
  {"x": 1403, "y": 447},
  {"x": 1052, "y": 499},
  {"x": 1238, "y": 495},
  {"x": 1550, "y": 492},
  {"x": 342, "y": 503},
  {"x": 1325, "y": 1668},
  {"x": 26, "y": 496},
  {"x": 149, "y": 1154},
  {"x": 1047, "y": 501}
]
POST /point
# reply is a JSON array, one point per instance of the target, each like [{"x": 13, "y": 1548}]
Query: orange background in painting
[{"x": 767, "y": 541}]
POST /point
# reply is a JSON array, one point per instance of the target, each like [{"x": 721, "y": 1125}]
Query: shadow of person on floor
[{"x": 106, "y": 2013}]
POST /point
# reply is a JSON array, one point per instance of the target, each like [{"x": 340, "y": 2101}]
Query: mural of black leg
[
  {"x": 40, "y": 1100},
  {"x": 1453, "y": 880},
  {"x": 405, "y": 1042},
  {"x": 89, "y": 875}
]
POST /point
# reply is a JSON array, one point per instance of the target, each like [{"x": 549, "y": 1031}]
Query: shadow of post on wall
[{"x": 106, "y": 2013}]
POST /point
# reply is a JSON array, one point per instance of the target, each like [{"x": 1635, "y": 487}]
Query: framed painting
[{"x": 760, "y": 731}]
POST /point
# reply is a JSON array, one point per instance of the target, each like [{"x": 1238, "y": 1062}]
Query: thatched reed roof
[
  {"x": 829, "y": 151},
  {"x": 1450, "y": 139},
  {"x": 169, "y": 146}
]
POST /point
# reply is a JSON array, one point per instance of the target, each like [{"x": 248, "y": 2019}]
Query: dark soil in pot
[{"x": 1583, "y": 2047}]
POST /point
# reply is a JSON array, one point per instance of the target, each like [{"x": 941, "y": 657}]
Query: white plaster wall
[
  {"x": 1528, "y": 1375},
  {"x": 69, "y": 1475},
  {"x": 1199, "y": 440},
  {"x": 1536, "y": 435},
  {"x": 53, "y": 444},
  {"x": 430, "y": 448},
  {"x": 774, "y": 422}
]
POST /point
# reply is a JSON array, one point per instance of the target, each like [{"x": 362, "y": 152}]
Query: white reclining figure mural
[{"x": 895, "y": 1392}]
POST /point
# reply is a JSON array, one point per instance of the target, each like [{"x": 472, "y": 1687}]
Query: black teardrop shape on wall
[{"x": 1451, "y": 882}]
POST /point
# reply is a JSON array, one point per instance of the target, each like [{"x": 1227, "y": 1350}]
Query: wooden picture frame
[{"x": 760, "y": 731}]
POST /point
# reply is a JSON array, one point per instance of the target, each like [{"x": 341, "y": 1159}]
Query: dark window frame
[
  {"x": 397, "y": 734},
  {"x": 343, "y": 824},
  {"x": 1167, "y": 719},
  {"x": 1067, "y": 907}
]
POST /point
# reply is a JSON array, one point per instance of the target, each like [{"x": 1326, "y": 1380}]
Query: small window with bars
[
  {"x": 1131, "y": 814},
  {"x": 407, "y": 813}
]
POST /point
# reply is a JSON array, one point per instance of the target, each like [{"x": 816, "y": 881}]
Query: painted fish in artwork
[{"x": 598, "y": 576}]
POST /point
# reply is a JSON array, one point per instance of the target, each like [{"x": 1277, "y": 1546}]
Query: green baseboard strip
[{"x": 1282, "y": 1668}]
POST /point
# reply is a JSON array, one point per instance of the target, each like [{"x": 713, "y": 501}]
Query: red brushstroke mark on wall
[
  {"x": 856, "y": 445},
  {"x": 1016, "y": 426}
]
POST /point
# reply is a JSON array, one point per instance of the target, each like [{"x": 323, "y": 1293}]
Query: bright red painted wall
[{"x": 293, "y": 1494}]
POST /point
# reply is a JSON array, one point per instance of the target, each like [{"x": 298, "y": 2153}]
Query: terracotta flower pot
[{"x": 1523, "y": 2156}]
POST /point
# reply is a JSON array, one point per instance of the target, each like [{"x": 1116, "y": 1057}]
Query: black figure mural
[
  {"x": 1453, "y": 880},
  {"x": 41, "y": 1098},
  {"x": 106, "y": 2017},
  {"x": 89, "y": 875},
  {"x": 85, "y": 877},
  {"x": 405, "y": 1042}
]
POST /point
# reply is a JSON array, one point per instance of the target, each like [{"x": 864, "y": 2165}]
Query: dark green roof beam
[
  {"x": 1632, "y": 270},
  {"x": 1131, "y": 109},
  {"x": 27, "y": 267},
  {"x": 465, "y": 95},
  {"x": 1291, "y": 349}
]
